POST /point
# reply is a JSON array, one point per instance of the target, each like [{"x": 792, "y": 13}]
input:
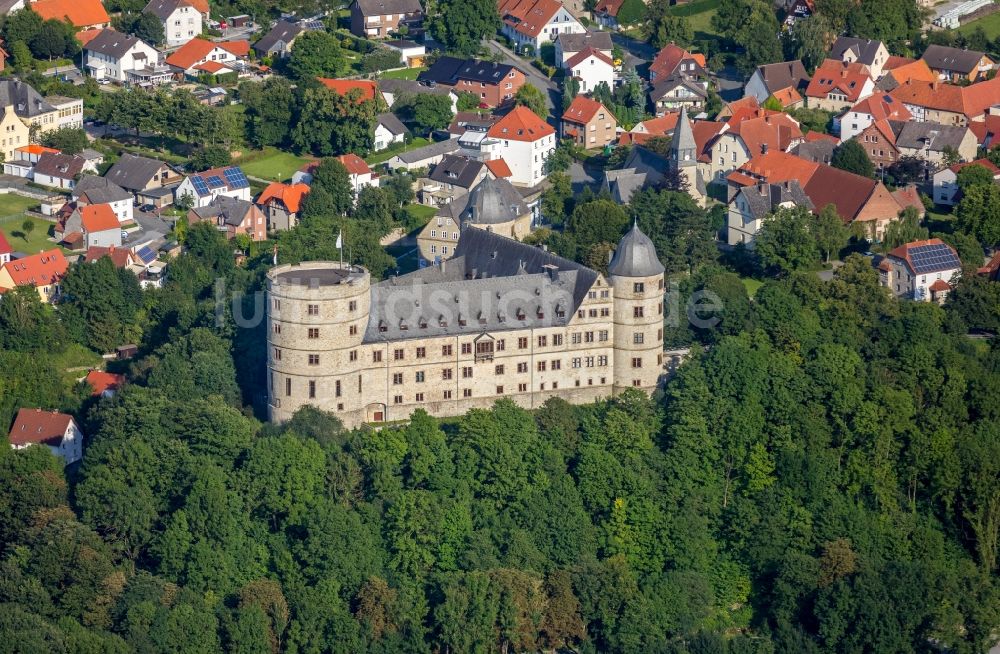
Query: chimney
[
  {"x": 552, "y": 270},
  {"x": 763, "y": 148},
  {"x": 444, "y": 266}
]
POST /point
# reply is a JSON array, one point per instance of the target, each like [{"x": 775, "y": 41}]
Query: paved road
[
  {"x": 638, "y": 51},
  {"x": 541, "y": 82}
]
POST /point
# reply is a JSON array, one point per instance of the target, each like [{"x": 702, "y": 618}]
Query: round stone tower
[
  {"x": 636, "y": 275},
  {"x": 317, "y": 314}
]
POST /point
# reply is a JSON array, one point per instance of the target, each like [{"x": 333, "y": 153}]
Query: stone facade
[{"x": 332, "y": 346}]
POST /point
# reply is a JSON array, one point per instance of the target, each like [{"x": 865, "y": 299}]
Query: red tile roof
[
  {"x": 587, "y": 53},
  {"x": 354, "y": 164},
  {"x": 820, "y": 136},
  {"x": 746, "y": 102},
  {"x": 211, "y": 67},
  {"x": 918, "y": 70},
  {"x": 197, "y": 49},
  {"x": 86, "y": 36},
  {"x": 608, "y": 7},
  {"x": 120, "y": 256},
  {"x": 985, "y": 163},
  {"x": 972, "y": 101},
  {"x": 992, "y": 266},
  {"x": 940, "y": 285},
  {"x": 529, "y": 17},
  {"x": 835, "y": 75},
  {"x": 909, "y": 196},
  {"x": 368, "y": 88},
  {"x": 200, "y": 5},
  {"x": 289, "y": 195},
  {"x": 521, "y": 124},
  {"x": 776, "y": 132},
  {"x": 39, "y": 269},
  {"x": 34, "y": 148},
  {"x": 98, "y": 218},
  {"x": 903, "y": 251},
  {"x": 5, "y": 247},
  {"x": 102, "y": 381},
  {"x": 667, "y": 60},
  {"x": 82, "y": 13},
  {"x": 704, "y": 131},
  {"x": 882, "y": 106},
  {"x": 846, "y": 191},
  {"x": 34, "y": 426},
  {"x": 787, "y": 96},
  {"x": 894, "y": 62},
  {"x": 582, "y": 110},
  {"x": 499, "y": 168}
]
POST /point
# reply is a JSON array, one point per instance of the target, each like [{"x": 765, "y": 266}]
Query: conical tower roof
[
  {"x": 494, "y": 201},
  {"x": 635, "y": 256},
  {"x": 683, "y": 146}
]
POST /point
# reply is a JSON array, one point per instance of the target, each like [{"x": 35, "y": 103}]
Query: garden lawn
[
  {"x": 11, "y": 204},
  {"x": 384, "y": 155},
  {"x": 36, "y": 241},
  {"x": 990, "y": 25},
  {"x": 272, "y": 164},
  {"x": 752, "y": 285},
  {"x": 404, "y": 73},
  {"x": 418, "y": 216}
]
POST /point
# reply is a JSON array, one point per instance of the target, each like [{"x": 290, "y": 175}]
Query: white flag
[{"x": 340, "y": 240}]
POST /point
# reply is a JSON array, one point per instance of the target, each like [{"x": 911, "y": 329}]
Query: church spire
[{"x": 683, "y": 147}]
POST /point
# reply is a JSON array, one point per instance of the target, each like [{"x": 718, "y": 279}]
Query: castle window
[
  {"x": 277, "y": 328},
  {"x": 602, "y": 335},
  {"x": 543, "y": 341},
  {"x": 522, "y": 342},
  {"x": 542, "y": 387},
  {"x": 577, "y": 362},
  {"x": 581, "y": 314},
  {"x": 353, "y": 330},
  {"x": 638, "y": 287},
  {"x": 541, "y": 366},
  {"x": 499, "y": 390},
  {"x": 466, "y": 392},
  {"x": 336, "y": 388},
  {"x": 446, "y": 350},
  {"x": 419, "y": 397},
  {"x": 314, "y": 332},
  {"x": 382, "y": 327},
  {"x": 637, "y": 312},
  {"x": 313, "y": 359},
  {"x": 498, "y": 370},
  {"x": 340, "y": 406},
  {"x": 447, "y": 395},
  {"x": 288, "y": 386},
  {"x": 352, "y": 305},
  {"x": 637, "y": 382},
  {"x": 446, "y": 373},
  {"x": 466, "y": 372},
  {"x": 312, "y": 389},
  {"x": 501, "y": 344},
  {"x": 353, "y": 355},
  {"x": 377, "y": 356},
  {"x": 276, "y": 304},
  {"x": 421, "y": 352},
  {"x": 397, "y": 354},
  {"x": 602, "y": 361},
  {"x": 522, "y": 388},
  {"x": 397, "y": 378},
  {"x": 277, "y": 354},
  {"x": 555, "y": 385},
  {"x": 557, "y": 339},
  {"x": 575, "y": 338},
  {"x": 605, "y": 312},
  {"x": 605, "y": 294},
  {"x": 659, "y": 309},
  {"x": 466, "y": 348},
  {"x": 636, "y": 362},
  {"x": 592, "y": 295},
  {"x": 420, "y": 376},
  {"x": 397, "y": 399},
  {"x": 520, "y": 314},
  {"x": 522, "y": 367},
  {"x": 556, "y": 364},
  {"x": 593, "y": 313},
  {"x": 313, "y": 309},
  {"x": 589, "y": 362},
  {"x": 588, "y": 337},
  {"x": 637, "y": 338}
]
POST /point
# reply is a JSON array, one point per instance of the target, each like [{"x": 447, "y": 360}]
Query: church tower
[
  {"x": 636, "y": 275},
  {"x": 683, "y": 148}
]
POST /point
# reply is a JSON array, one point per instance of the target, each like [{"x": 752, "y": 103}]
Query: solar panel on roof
[
  {"x": 199, "y": 186},
  {"x": 931, "y": 258},
  {"x": 236, "y": 178},
  {"x": 214, "y": 181},
  {"x": 146, "y": 254}
]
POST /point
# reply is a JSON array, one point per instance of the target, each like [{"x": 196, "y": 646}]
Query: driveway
[
  {"x": 730, "y": 84},
  {"x": 539, "y": 81},
  {"x": 151, "y": 228},
  {"x": 639, "y": 51}
]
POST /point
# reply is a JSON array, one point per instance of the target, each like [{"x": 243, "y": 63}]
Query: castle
[{"x": 499, "y": 319}]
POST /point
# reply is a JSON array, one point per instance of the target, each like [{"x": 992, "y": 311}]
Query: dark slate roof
[
  {"x": 940, "y": 57},
  {"x": 162, "y": 8},
  {"x": 662, "y": 88},
  {"x": 457, "y": 171},
  {"x": 283, "y": 32},
  {"x": 635, "y": 256},
  {"x": 653, "y": 165},
  {"x": 449, "y": 70},
  {"x": 409, "y": 86},
  {"x": 232, "y": 210},
  {"x": 492, "y": 284},
  {"x": 622, "y": 184},
  {"x": 577, "y": 42},
  {"x": 764, "y": 198},
  {"x": 428, "y": 151},
  {"x": 111, "y": 43},
  {"x": 820, "y": 151},
  {"x": 100, "y": 190},
  {"x": 386, "y": 7},
  {"x": 491, "y": 202},
  {"x": 864, "y": 49},
  {"x": 133, "y": 172},
  {"x": 27, "y": 102},
  {"x": 936, "y": 137},
  {"x": 784, "y": 74},
  {"x": 391, "y": 123}
]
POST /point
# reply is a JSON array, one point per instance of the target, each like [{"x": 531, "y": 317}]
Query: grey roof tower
[
  {"x": 493, "y": 201},
  {"x": 683, "y": 148},
  {"x": 635, "y": 256}
]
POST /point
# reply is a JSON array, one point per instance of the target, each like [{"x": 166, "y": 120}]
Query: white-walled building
[
  {"x": 111, "y": 54},
  {"x": 946, "y": 180},
  {"x": 921, "y": 270},
  {"x": 180, "y": 18},
  {"x": 57, "y": 431},
  {"x": 591, "y": 67},
  {"x": 92, "y": 189},
  {"x": 880, "y": 106},
  {"x": 536, "y": 22},
  {"x": 206, "y": 186},
  {"x": 524, "y": 141}
]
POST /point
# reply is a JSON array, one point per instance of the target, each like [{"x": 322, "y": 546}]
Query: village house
[
  {"x": 524, "y": 142},
  {"x": 957, "y": 65},
  {"x": 921, "y": 270},
  {"x": 5, "y": 249},
  {"x": 533, "y": 23},
  {"x": 933, "y": 143},
  {"x": 770, "y": 79},
  {"x": 879, "y": 141},
  {"x": 94, "y": 225},
  {"x": 872, "y": 54},
  {"x": 358, "y": 172},
  {"x": 837, "y": 85},
  {"x": 232, "y": 216},
  {"x": 648, "y": 129},
  {"x": 946, "y": 181},
  {"x": 389, "y": 130},
  {"x": 121, "y": 257},
  {"x": 494, "y": 83},
  {"x": 878, "y": 107},
  {"x": 569, "y": 44},
  {"x": 181, "y": 19},
  {"x": 57, "y": 431},
  {"x": 92, "y": 189},
  {"x": 910, "y": 69},
  {"x": 493, "y": 205},
  {"x": 69, "y": 111},
  {"x": 394, "y": 89},
  {"x": 422, "y": 157},
  {"x": 281, "y": 204},
  {"x": 43, "y": 270},
  {"x": 110, "y": 55},
  {"x": 606, "y": 13},
  {"x": 948, "y": 104},
  {"x": 149, "y": 180},
  {"x": 14, "y": 134},
  {"x": 201, "y": 56},
  {"x": 104, "y": 384},
  {"x": 674, "y": 61},
  {"x": 455, "y": 175},
  {"x": 753, "y": 204},
  {"x": 58, "y": 170},
  {"x": 278, "y": 41},
  {"x": 589, "y": 123},
  {"x": 379, "y": 19},
  {"x": 591, "y": 68},
  {"x": 82, "y": 14},
  {"x": 758, "y": 133},
  {"x": 676, "y": 93},
  {"x": 205, "y": 186}
]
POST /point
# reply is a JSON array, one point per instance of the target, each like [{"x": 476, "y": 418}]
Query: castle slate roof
[
  {"x": 491, "y": 202},
  {"x": 635, "y": 256},
  {"x": 493, "y": 283}
]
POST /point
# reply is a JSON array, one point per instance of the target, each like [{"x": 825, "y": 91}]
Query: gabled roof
[
  {"x": 845, "y": 191},
  {"x": 163, "y": 8},
  {"x": 491, "y": 202},
  {"x": 669, "y": 58},
  {"x": 354, "y": 164},
  {"x": 111, "y": 43},
  {"x": 834, "y": 75},
  {"x": 102, "y": 381},
  {"x": 664, "y": 86},
  {"x": 27, "y": 102},
  {"x": 233, "y": 211},
  {"x": 575, "y": 42},
  {"x": 450, "y": 70},
  {"x": 864, "y": 50},
  {"x": 98, "y": 218},
  {"x": 893, "y": 62},
  {"x": 82, "y": 13},
  {"x": 972, "y": 101},
  {"x": 40, "y": 269},
  {"x": 582, "y": 110},
  {"x": 226, "y": 177},
  {"x": 787, "y": 96},
  {"x": 909, "y": 196},
  {"x": 37, "y": 427},
  {"x": 367, "y": 88},
  {"x": 763, "y": 198},
  {"x": 282, "y": 32},
  {"x": 120, "y": 256},
  {"x": 882, "y": 106},
  {"x": 985, "y": 163},
  {"x": 133, "y": 172},
  {"x": 767, "y": 133},
  {"x": 499, "y": 168},
  {"x": 986, "y": 130},
  {"x": 386, "y": 7},
  {"x": 521, "y": 124},
  {"x": 940, "y": 57},
  {"x": 917, "y": 70},
  {"x": 608, "y": 7},
  {"x": 290, "y": 195},
  {"x": 783, "y": 74},
  {"x": 529, "y": 17},
  {"x": 587, "y": 53},
  {"x": 5, "y": 247},
  {"x": 391, "y": 123},
  {"x": 928, "y": 256},
  {"x": 197, "y": 49},
  {"x": 57, "y": 164},
  {"x": 211, "y": 67},
  {"x": 457, "y": 170},
  {"x": 930, "y": 136},
  {"x": 779, "y": 167}
]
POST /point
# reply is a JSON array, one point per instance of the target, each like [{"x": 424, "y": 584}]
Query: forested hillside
[{"x": 822, "y": 478}]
